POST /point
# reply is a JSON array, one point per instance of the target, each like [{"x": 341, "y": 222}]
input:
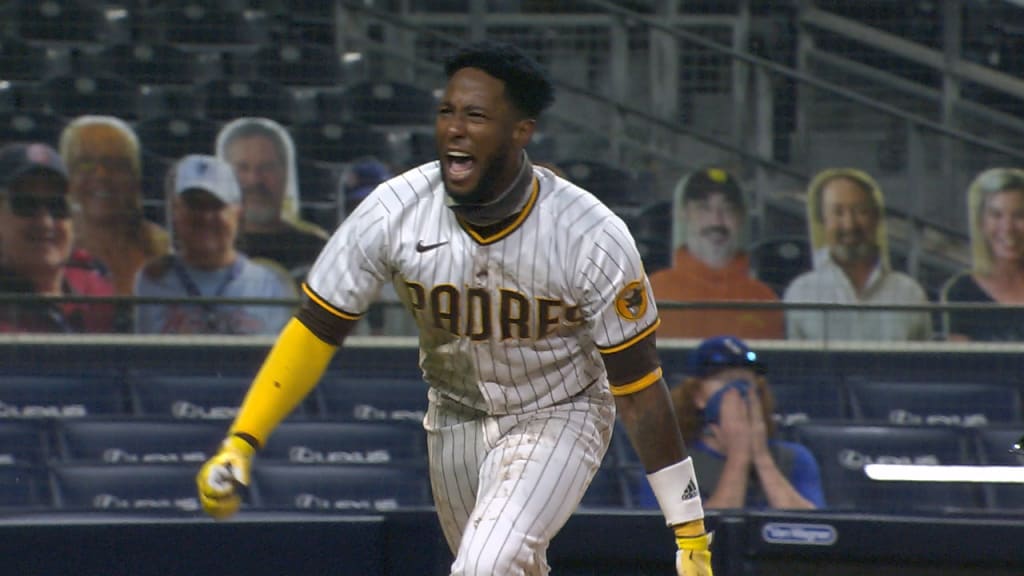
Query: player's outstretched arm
[
  {"x": 649, "y": 421},
  {"x": 645, "y": 409},
  {"x": 292, "y": 368}
]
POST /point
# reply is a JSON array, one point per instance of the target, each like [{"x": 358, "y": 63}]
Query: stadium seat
[
  {"x": 638, "y": 489},
  {"x": 612, "y": 185},
  {"x": 388, "y": 104},
  {"x": 191, "y": 22},
  {"x": 23, "y": 487},
  {"x": 72, "y": 21},
  {"x": 842, "y": 451},
  {"x": 155, "y": 169},
  {"x": 175, "y": 136},
  {"x": 319, "y": 182},
  {"x": 56, "y": 397},
  {"x": 353, "y": 398},
  {"x": 147, "y": 63},
  {"x": 339, "y": 488},
  {"x": 941, "y": 403},
  {"x": 807, "y": 399},
  {"x": 993, "y": 447},
  {"x": 338, "y": 142},
  {"x": 136, "y": 488},
  {"x": 73, "y": 95},
  {"x": 776, "y": 261},
  {"x": 347, "y": 443},
  {"x": 23, "y": 443},
  {"x": 191, "y": 397},
  {"x": 651, "y": 225},
  {"x": 30, "y": 127},
  {"x": 137, "y": 441},
  {"x": 24, "y": 61},
  {"x": 225, "y": 99},
  {"x": 605, "y": 490},
  {"x": 294, "y": 64}
]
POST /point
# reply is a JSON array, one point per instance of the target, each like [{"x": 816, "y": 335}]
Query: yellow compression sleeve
[{"x": 291, "y": 370}]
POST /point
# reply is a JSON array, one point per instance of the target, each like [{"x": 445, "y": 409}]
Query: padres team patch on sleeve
[{"x": 631, "y": 302}]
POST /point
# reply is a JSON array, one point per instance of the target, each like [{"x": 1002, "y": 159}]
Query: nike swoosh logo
[{"x": 421, "y": 247}]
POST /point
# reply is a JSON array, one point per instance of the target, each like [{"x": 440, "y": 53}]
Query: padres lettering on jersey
[
  {"x": 508, "y": 322},
  {"x": 475, "y": 313}
]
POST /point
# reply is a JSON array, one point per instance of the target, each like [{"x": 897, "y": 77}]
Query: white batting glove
[{"x": 219, "y": 478}]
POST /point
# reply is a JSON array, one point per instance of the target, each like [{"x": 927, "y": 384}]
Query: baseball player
[{"x": 536, "y": 323}]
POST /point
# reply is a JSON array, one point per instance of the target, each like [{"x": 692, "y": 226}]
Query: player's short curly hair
[{"x": 526, "y": 83}]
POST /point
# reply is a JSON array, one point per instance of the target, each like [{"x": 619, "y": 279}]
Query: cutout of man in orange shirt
[{"x": 710, "y": 264}]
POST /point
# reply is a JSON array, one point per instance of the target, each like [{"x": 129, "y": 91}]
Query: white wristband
[{"x": 676, "y": 489}]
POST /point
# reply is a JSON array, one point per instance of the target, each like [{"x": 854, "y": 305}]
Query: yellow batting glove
[
  {"x": 220, "y": 476},
  {"x": 693, "y": 557}
]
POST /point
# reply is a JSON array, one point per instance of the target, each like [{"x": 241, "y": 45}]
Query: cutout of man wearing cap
[
  {"x": 846, "y": 222},
  {"x": 36, "y": 255},
  {"x": 205, "y": 207},
  {"x": 724, "y": 406},
  {"x": 710, "y": 264}
]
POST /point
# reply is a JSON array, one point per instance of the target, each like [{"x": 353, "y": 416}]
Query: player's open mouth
[{"x": 460, "y": 166}]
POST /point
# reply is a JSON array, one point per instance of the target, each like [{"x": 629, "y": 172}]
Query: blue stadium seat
[
  {"x": 621, "y": 450},
  {"x": 777, "y": 260},
  {"x": 136, "y": 488},
  {"x": 225, "y": 99},
  {"x": 842, "y": 451},
  {"x": 24, "y": 443},
  {"x": 138, "y": 441},
  {"x": 191, "y": 397},
  {"x": 353, "y": 398},
  {"x": 339, "y": 488},
  {"x": 803, "y": 399},
  {"x": 993, "y": 447},
  {"x": 23, "y": 487},
  {"x": 172, "y": 136},
  {"x": 347, "y": 443},
  {"x": 605, "y": 490},
  {"x": 72, "y": 95},
  {"x": 941, "y": 403},
  {"x": 637, "y": 488},
  {"x": 383, "y": 103},
  {"x": 30, "y": 396}
]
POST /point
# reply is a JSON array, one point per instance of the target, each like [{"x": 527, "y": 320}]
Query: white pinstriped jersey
[{"x": 508, "y": 323}]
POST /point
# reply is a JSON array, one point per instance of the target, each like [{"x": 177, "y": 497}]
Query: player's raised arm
[
  {"x": 291, "y": 370},
  {"x": 645, "y": 410}
]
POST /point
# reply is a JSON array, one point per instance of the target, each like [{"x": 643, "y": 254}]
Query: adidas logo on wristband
[{"x": 691, "y": 491}]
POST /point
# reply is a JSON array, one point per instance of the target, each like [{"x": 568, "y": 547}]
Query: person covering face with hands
[{"x": 725, "y": 411}]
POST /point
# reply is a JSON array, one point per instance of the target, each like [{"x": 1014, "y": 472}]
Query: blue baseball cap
[
  {"x": 722, "y": 352},
  {"x": 362, "y": 176}
]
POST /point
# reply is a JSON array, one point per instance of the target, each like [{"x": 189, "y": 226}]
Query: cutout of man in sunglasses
[{"x": 36, "y": 255}]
